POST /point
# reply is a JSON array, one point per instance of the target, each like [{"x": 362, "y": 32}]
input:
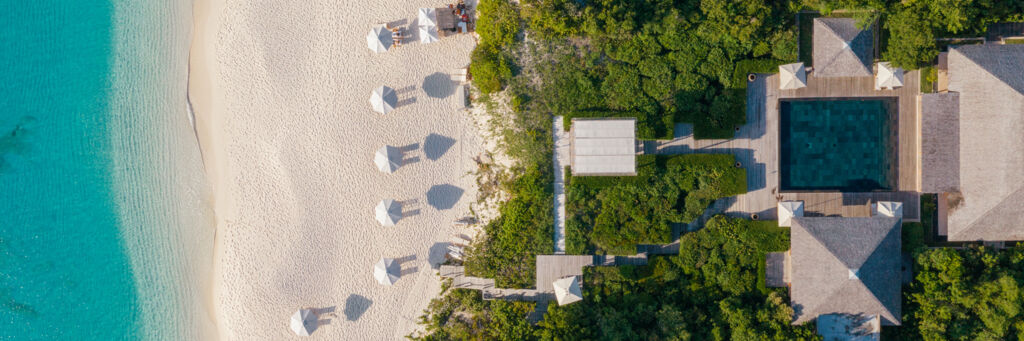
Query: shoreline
[{"x": 205, "y": 99}]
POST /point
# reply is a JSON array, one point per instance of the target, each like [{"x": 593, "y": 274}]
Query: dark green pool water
[{"x": 838, "y": 144}]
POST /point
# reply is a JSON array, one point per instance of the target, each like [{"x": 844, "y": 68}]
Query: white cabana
[
  {"x": 386, "y": 271},
  {"x": 788, "y": 210},
  {"x": 388, "y": 212},
  {"x": 304, "y": 321},
  {"x": 792, "y": 76},
  {"x": 426, "y": 17},
  {"x": 383, "y": 99},
  {"x": 567, "y": 290},
  {"x": 887, "y": 209},
  {"x": 888, "y": 76},
  {"x": 428, "y": 34},
  {"x": 379, "y": 39},
  {"x": 388, "y": 159},
  {"x": 603, "y": 146}
]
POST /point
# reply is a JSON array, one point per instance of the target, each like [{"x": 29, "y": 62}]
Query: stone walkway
[{"x": 561, "y": 159}]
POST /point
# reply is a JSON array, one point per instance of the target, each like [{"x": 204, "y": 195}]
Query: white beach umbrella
[
  {"x": 892, "y": 209},
  {"x": 386, "y": 271},
  {"x": 387, "y": 159},
  {"x": 792, "y": 76},
  {"x": 304, "y": 322},
  {"x": 388, "y": 212},
  {"x": 379, "y": 39},
  {"x": 427, "y": 17},
  {"x": 567, "y": 290},
  {"x": 383, "y": 99},
  {"x": 788, "y": 210},
  {"x": 888, "y": 77},
  {"x": 428, "y": 34}
]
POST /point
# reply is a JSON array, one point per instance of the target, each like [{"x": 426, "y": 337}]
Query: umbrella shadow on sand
[
  {"x": 355, "y": 306},
  {"x": 443, "y": 197},
  {"x": 438, "y": 85},
  {"x": 435, "y": 146}
]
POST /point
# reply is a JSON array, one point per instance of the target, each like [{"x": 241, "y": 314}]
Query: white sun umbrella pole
[
  {"x": 388, "y": 212},
  {"x": 383, "y": 99},
  {"x": 428, "y": 34},
  {"x": 386, "y": 271},
  {"x": 304, "y": 322},
  {"x": 379, "y": 39}
]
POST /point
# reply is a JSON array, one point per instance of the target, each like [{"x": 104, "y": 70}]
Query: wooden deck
[
  {"x": 554, "y": 267},
  {"x": 756, "y": 147}
]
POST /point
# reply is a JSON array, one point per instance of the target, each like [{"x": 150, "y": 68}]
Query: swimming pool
[{"x": 838, "y": 144}]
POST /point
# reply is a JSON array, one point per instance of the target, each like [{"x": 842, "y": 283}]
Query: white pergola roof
[
  {"x": 426, "y": 17},
  {"x": 888, "y": 76},
  {"x": 887, "y": 209},
  {"x": 388, "y": 159},
  {"x": 383, "y": 99},
  {"x": 388, "y": 212},
  {"x": 386, "y": 271},
  {"x": 792, "y": 76},
  {"x": 303, "y": 322},
  {"x": 788, "y": 210},
  {"x": 379, "y": 39},
  {"x": 567, "y": 290},
  {"x": 428, "y": 34},
  {"x": 604, "y": 147}
]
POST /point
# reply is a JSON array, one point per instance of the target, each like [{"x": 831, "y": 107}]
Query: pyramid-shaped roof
[
  {"x": 845, "y": 266},
  {"x": 792, "y": 76},
  {"x": 888, "y": 76},
  {"x": 990, "y": 83},
  {"x": 840, "y": 49},
  {"x": 788, "y": 210},
  {"x": 567, "y": 290}
]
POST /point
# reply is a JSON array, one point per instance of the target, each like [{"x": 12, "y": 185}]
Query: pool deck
[{"x": 756, "y": 147}]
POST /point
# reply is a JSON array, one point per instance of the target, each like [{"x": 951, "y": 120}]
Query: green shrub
[
  {"x": 498, "y": 23},
  {"x": 913, "y": 237},
  {"x": 490, "y": 68}
]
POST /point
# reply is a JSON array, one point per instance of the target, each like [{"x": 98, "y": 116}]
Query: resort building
[
  {"x": 973, "y": 144},
  {"x": 843, "y": 271},
  {"x": 603, "y": 146}
]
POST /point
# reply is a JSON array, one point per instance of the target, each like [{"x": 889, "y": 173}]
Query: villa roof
[
  {"x": 604, "y": 146},
  {"x": 845, "y": 265},
  {"x": 841, "y": 49},
  {"x": 940, "y": 142},
  {"x": 990, "y": 84}
]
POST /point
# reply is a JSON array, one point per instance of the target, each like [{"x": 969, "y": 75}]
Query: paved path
[{"x": 561, "y": 159}]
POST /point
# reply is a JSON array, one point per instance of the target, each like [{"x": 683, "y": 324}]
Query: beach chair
[{"x": 461, "y": 75}]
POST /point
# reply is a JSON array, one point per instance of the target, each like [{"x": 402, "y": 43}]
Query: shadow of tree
[
  {"x": 443, "y": 197},
  {"x": 436, "y": 145},
  {"x": 355, "y": 306}
]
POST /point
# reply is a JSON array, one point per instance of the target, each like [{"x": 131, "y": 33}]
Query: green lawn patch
[{"x": 929, "y": 75}]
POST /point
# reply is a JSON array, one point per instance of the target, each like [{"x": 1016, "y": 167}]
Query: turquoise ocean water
[{"x": 106, "y": 231}]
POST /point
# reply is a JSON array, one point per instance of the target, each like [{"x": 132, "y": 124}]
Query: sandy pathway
[{"x": 296, "y": 141}]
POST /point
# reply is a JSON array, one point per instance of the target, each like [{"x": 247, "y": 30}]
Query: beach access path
[{"x": 561, "y": 158}]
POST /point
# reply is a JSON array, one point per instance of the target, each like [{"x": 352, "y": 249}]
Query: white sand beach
[{"x": 288, "y": 137}]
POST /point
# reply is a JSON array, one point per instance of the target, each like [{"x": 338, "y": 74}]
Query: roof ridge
[{"x": 986, "y": 70}]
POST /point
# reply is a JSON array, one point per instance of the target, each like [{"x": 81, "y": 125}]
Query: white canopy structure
[
  {"x": 603, "y": 147},
  {"x": 388, "y": 212},
  {"x": 304, "y": 321},
  {"x": 388, "y": 159},
  {"x": 383, "y": 99},
  {"x": 891, "y": 209},
  {"x": 788, "y": 210},
  {"x": 888, "y": 77},
  {"x": 567, "y": 290},
  {"x": 379, "y": 39},
  {"x": 792, "y": 76},
  {"x": 427, "y": 17},
  {"x": 386, "y": 271},
  {"x": 428, "y": 34}
]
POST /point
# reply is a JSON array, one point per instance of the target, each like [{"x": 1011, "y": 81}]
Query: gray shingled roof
[
  {"x": 990, "y": 83},
  {"x": 840, "y": 49},
  {"x": 845, "y": 266},
  {"x": 940, "y": 142}
]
